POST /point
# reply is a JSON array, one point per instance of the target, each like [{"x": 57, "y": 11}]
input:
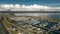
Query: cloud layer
[{"x": 34, "y": 7}]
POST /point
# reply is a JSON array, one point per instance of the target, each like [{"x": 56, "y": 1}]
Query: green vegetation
[
  {"x": 7, "y": 24},
  {"x": 2, "y": 31},
  {"x": 13, "y": 32}
]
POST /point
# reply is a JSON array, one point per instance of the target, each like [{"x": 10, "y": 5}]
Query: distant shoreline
[{"x": 29, "y": 11}]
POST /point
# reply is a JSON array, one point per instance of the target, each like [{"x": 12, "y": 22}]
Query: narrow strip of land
[{"x": 3, "y": 29}]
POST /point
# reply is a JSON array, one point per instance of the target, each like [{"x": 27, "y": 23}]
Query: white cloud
[{"x": 34, "y": 7}]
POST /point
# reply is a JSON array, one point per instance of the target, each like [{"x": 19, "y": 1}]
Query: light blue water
[
  {"x": 45, "y": 15},
  {"x": 54, "y": 15}
]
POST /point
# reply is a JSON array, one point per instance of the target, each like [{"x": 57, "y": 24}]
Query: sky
[{"x": 30, "y": 5}]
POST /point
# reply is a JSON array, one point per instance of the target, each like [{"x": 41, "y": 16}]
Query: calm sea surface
[{"x": 45, "y": 15}]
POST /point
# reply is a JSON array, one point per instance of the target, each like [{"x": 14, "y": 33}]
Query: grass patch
[{"x": 13, "y": 32}]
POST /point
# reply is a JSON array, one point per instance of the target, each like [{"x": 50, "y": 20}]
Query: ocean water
[{"x": 45, "y": 15}]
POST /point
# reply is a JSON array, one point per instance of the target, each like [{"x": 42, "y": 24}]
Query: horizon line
[{"x": 29, "y": 11}]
